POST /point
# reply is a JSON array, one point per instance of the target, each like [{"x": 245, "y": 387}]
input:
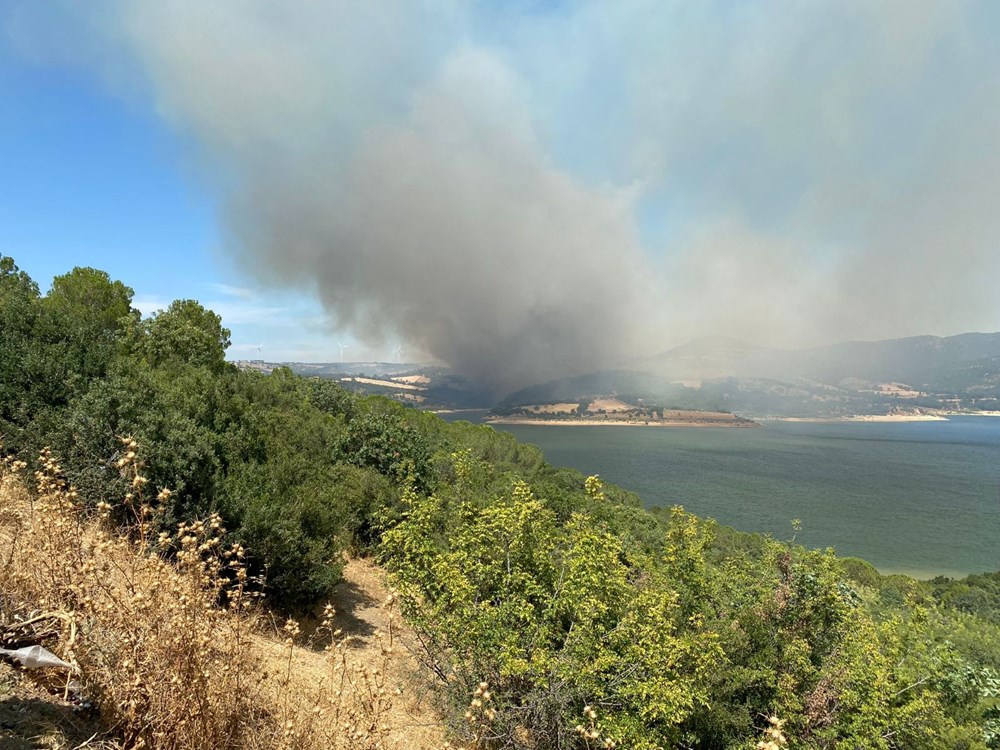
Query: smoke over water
[{"x": 531, "y": 189}]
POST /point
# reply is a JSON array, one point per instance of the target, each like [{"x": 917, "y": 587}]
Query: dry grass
[
  {"x": 170, "y": 647},
  {"x": 395, "y": 383},
  {"x": 413, "y": 379},
  {"x": 899, "y": 390},
  {"x": 365, "y": 672},
  {"x": 32, "y": 719},
  {"x": 609, "y": 404}
]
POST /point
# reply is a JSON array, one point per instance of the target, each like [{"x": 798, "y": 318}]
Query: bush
[
  {"x": 548, "y": 614},
  {"x": 389, "y": 445}
]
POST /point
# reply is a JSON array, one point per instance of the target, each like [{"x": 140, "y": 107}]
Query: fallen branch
[{"x": 31, "y": 632}]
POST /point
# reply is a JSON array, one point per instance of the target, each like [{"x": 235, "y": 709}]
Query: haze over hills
[
  {"x": 920, "y": 374},
  {"x": 954, "y": 362},
  {"x": 335, "y": 369},
  {"x": 906, "y": 375}
]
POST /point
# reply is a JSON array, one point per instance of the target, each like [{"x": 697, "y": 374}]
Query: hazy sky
[{"x": 517, "y": 187}]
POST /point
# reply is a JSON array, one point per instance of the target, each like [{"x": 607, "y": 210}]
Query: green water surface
[{"x": 921, "y": 498}]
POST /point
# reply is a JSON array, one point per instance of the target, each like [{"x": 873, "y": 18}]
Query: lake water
[{"x": 921, "y": 498}]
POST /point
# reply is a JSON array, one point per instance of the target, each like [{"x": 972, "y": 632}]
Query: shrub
[{"x": 388, "y": 444}]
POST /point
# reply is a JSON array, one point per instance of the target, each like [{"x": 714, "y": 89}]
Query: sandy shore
[
  {"x": 861, "y": 418},
  {"x": 621, "y": 422}
]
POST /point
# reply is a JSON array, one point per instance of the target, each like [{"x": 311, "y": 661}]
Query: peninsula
[{"x": 609, "y": 410}]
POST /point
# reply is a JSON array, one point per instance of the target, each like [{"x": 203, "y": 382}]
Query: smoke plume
[{"x": 525, "y": 189}]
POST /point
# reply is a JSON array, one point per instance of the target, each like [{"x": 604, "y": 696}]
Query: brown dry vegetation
[
  {"x": 395, "y": 383},
  {"x": 173, "y": 652},
  {"x": 413, "y": 379},
  {"x": 609, "y": 404},
  {"x": 899, "y": 390}
]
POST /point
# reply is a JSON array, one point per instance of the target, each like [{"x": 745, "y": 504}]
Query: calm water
[{"x": 916, "y": 497}]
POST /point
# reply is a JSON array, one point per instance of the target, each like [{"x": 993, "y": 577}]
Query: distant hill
[
  {"x": 909, "y": 375},
  {"x": 960, "y": 360},
  {"x": 336, "y": 369},
  {"x": 421, "y": 385}
]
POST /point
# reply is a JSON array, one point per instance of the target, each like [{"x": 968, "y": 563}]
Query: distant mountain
[
  {"x": 909, "y": 375},
  {"x": 920, "y": 373},
  {"x": 955, "y": 363},
  {"x": 919, "y": 360}
]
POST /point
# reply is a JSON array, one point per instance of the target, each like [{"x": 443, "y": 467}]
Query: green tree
[
  {"x": 18, "y": 315},
  {"x": 92, "y": 301},
  {"x": 186, "y": 332},
  {"x": 83, "y": 317},
  {"x": 388, "y": 444}
]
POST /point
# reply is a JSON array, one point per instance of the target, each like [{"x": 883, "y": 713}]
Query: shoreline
[
  {"x": 621, "y": 423},
  {"x": 940, "y": 416},
  {"x": 862, "y": 418}
]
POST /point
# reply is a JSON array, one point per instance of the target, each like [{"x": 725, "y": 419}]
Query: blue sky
[
  {"x": 497, "y": 185},
  {"x": 91, "y": 178}
]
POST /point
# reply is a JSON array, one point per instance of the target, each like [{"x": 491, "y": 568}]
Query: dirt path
[
  {"x": 375, "y": 639},
  {"x": 360, "y": 600}
]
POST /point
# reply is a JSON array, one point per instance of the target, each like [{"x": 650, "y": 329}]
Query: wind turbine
[
  {"x": 342, "y": 347},
  {"x": 399, "y": 349},
  {"x": 260, "y": 358}
]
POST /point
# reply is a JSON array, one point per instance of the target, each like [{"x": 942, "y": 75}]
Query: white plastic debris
[{"x": 35, "y": 657}]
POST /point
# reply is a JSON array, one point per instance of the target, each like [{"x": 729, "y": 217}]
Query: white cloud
[
  {"x": 148, "y": 304},
  {"x": 233, "y": 291}
]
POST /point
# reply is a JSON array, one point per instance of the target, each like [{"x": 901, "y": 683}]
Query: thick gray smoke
[
  {"x": 525, "y": 188},
  {"x": 455, "y": 230},
  {"x": 372, "y": 155}
]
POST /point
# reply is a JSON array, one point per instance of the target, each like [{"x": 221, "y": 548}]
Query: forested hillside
[{"x": 554, "y": 611}]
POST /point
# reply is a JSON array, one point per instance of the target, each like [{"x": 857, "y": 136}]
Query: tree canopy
[{"x": 186, "y": 333}]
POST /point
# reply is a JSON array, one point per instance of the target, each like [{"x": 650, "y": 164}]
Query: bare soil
[
  {"x": 33, "y": 715},
  {"x": 401, "y": 384},
  {"x": 609, "y": 404}
]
